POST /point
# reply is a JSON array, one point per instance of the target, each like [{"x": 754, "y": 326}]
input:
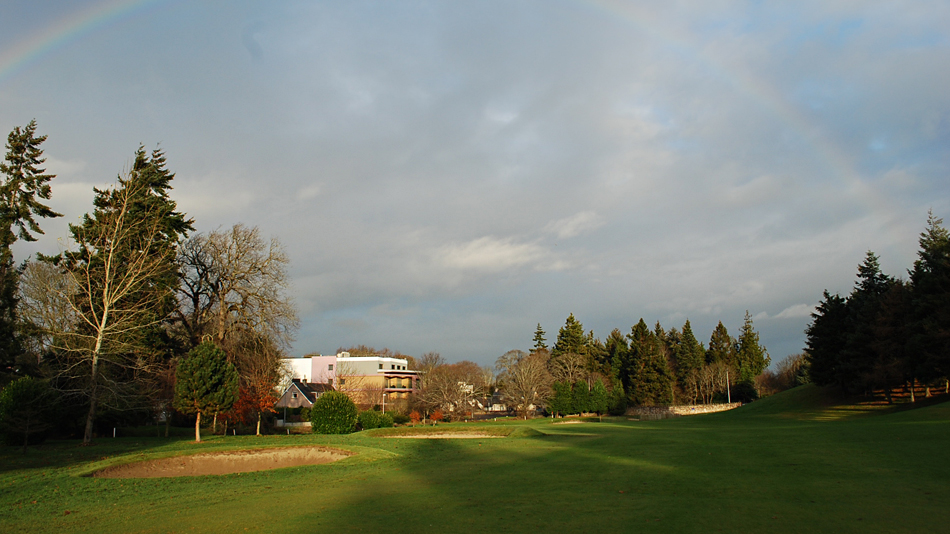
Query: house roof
[{"x": 309, "y": 390}]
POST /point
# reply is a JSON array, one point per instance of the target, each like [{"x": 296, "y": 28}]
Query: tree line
[
  {"x": 581, "y": 373},
  {"x": 103, "y": 324},
  {"x": 887, "y": 333}
]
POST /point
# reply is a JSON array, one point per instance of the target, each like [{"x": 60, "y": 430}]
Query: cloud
[
  {"x": 796, "y": 311},
  {"x": 490, "y": 254},
  {"x": 577, "y": 224},
  {"x": 309, "y": 192}
]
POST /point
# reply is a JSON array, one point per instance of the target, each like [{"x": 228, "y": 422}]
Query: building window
[
  {"x": 330, "y": 367},
  {"x": 380, "y": 366},
  {"x": 294, "y": 395}
]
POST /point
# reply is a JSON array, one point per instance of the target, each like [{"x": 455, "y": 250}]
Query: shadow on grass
[{"x": 680, "y": 475}]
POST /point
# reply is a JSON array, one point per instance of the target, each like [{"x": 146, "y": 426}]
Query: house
[{"x": 301, "y": 394}]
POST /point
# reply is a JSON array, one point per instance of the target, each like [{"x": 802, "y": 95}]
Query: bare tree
[
  {"x": 46, "y": 293},
  {"x": 569, "y": 367},
  {"x": 454, "y": 387},
  {"x": 234, "y": 281},
  {"x": 111, "y": 295},
  {"x": 525, "y": 379}
]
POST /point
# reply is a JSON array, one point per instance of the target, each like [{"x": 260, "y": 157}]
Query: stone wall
[{"x": 647, "y": 413}]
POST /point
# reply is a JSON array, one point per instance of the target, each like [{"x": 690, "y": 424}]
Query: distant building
[{"x": 368, "y": 380}]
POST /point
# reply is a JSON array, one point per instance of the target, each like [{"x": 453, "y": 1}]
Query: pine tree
[
  {"x": 580, "y": 396},
  {"x": 539, "y": 341},
  {"x": 617, "y": 355},
  {"x": 721, "y": 347},
  {"x": 864, "y": 306},
  {"x": 650, "y": 377},
  {"x": 751, "y": 356},
  {"x": 826, "y": 338},
  {"x": 570, "y": 338},
  {"x": 561, "y": 402},
  {"x": 599, "y": 398},
  {"x": 691, "y": 356},
  {"x": 25, "y": 185},
  {"x": 206, "y": 383},
  {"x": 930, "y": 303}
]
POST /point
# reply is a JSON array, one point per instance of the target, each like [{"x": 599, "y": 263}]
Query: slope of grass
[
  {"x": 813, "y": 403},
  {"x": 748, "y": 470}
]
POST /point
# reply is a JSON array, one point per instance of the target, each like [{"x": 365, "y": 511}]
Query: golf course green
[{"x": 799, "y": 461}]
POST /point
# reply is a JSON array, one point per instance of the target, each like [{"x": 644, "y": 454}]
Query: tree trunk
[
  {"x": 912, "y": 399},
  {"x": 91, "y": 415},
  {"x": 198, "y": 428},
  {"x": 258, "y": 423},
  {"x": 214, "y": 424},
  {"x": 168, "y": 422}
]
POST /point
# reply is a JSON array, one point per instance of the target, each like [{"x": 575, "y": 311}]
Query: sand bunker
[
  {"x": 446, "y": 435},
  {"x": 224, "y": 463},
  {"x": 571, "y": 422}
]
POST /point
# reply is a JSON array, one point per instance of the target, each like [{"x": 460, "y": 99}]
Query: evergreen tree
[
  {"x": 561, "y": 402},
  {"x": 617, "y": 355},
  {"x": 691, "y": 355},
  {"x": 570, "y": 338},
  {"x": 864, "y": 305},
  {"x": 650, "y": 377},
  {"x": 826, "y": 338},
  {"x": 597, "y": 356},
  {"x": 580, "y": 397},
  {"x": 539, "y": 341},
  {"x": 206, "y": 383},
  {"x": 599, "y": 398},
  {"x": 24, "y": 186},
  {"x": 929, "y": 327},
  {"x": 721, "y": 347},
  {"x": 751, "y": 356}
]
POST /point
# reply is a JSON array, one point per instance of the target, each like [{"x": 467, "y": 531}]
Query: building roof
[{"x": 309, "y": 390}]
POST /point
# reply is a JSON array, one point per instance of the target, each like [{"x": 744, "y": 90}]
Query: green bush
[
  {"x": 305, "y": 414},
  {"x": 27, "y": 407},
  {"x": 373, "y": 419},
  {"x": 401, "y": 419},
  {"x": 333, "y": 413},
  {"x": 744, "y": 392}
]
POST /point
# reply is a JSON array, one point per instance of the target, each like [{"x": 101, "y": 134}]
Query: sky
[{"x": 446, "y": 175}]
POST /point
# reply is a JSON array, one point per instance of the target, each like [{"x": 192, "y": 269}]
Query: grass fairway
[{"x": 790, "y": 463}]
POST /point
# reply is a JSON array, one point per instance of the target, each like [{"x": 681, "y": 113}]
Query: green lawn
[{"x": 796, "y": 462}]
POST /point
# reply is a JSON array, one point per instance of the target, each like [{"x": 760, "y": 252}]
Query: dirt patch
[
  {"x": 571, "y": 422},
  {"x": 446, "y": 435},
  {"x": 224, "y": 463}
]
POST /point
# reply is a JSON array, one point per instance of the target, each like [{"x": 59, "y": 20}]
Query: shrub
[
  {"x": 333, "y": 413},
  {"x": 305, "y": 414},
  {"x": 401, "y": 419},
  {"x": 744, "y": 392},
  {"x": 26, "y": 411},
  {"x": 373, "y": 419},
  {"x": 415, "y": 417},
  {"x": 437, "y": 416}
]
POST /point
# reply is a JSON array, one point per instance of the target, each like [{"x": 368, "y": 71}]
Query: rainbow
[
  {"x": 111, "y": 12},
  {"x": 642, "y": 18},
  {"x": 67, "y": 29}
]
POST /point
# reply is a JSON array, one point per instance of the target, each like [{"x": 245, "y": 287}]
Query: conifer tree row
[
  {"x": 887, "y": 333},
  {"x": 654, "y": 366}
]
